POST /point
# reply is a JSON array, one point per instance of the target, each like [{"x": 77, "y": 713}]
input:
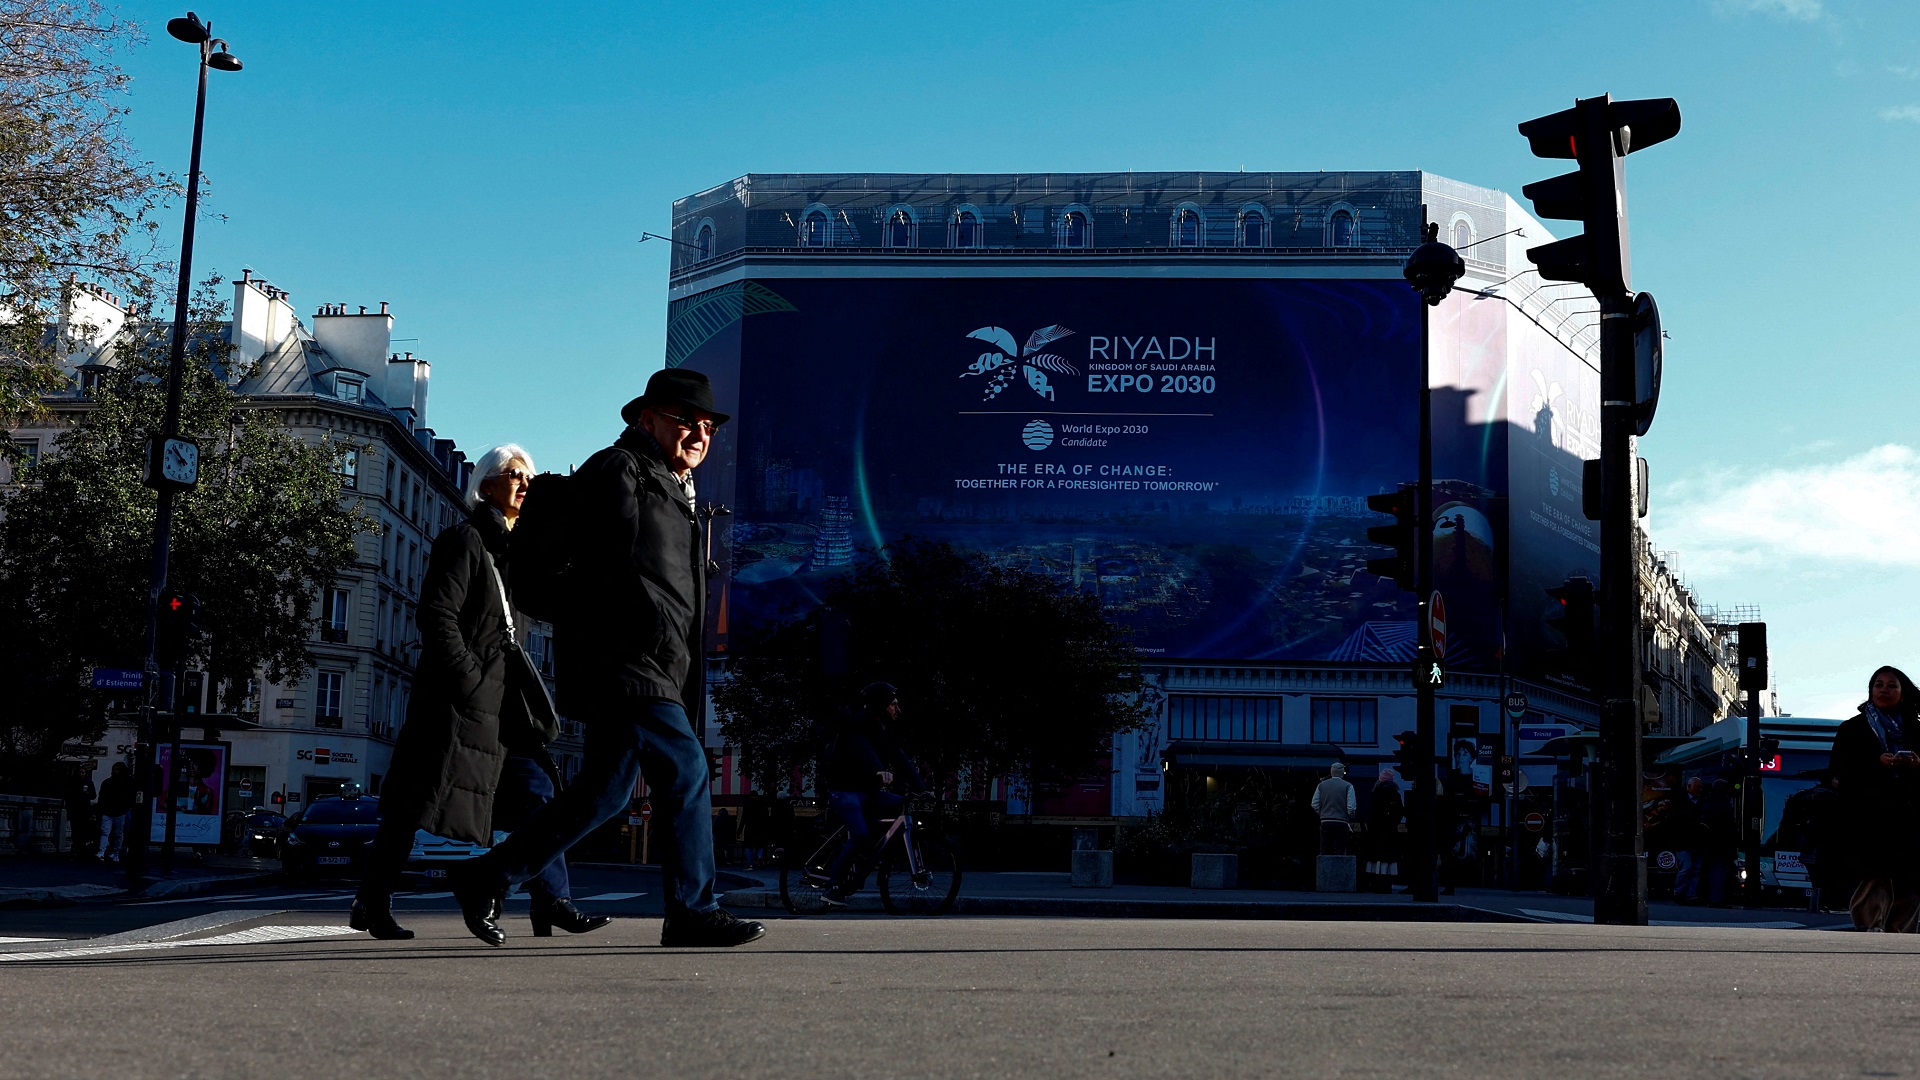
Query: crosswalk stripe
[
  {"x": 610, "y": 896},
  {"x": 259, "y": 935}
]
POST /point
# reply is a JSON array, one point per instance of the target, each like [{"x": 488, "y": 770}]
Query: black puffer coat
[
  {"x": 635, "y": 618},
  {"x": 447, "y": 759}
]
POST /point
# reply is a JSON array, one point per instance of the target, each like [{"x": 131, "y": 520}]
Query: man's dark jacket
[
  {"x": 859, "y": 754},
  {"x": 116, "y": 795},
  {"x": 636, "y": 606},
  {"x": 447, "y": 759}
]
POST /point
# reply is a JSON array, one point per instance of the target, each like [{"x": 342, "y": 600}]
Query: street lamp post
[
  {"x": 1431, "y": 270},
  {"x": 182, "y": 464}
]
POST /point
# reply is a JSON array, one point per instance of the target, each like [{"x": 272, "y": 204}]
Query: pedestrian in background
[
  {"x": 1334, "y": 800},
  {"x": 631, "y": 666},
  {"x": 474, "y": 747},
  {"x": 1719, "y": 840},
  {"x": 1385, "y": 808},
  {"x": 1875, "y": 768},
  {"x": 1686, "y": 832},
  {"x": 115, "y": 804}
]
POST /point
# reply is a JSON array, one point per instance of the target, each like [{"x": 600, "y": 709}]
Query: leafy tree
[
  {"x": 1001, "y": 672},
  {"x": 74, "y": 198},
  {"x": 257, "y": 540}
]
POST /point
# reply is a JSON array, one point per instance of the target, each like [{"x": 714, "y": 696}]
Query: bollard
[
  {"x": 1335, "y": 873},
  {"x": 1093, "y": 869},
  {"x": 1212, "y": 871}
]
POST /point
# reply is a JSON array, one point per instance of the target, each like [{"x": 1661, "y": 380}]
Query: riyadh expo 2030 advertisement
[{"x": 1196, "y": 453}]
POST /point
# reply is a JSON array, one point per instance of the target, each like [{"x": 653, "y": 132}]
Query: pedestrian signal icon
[{"x": 1429, "y": 673}]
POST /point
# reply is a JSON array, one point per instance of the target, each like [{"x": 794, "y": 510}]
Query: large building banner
[{"x": 1196, "y": 453}]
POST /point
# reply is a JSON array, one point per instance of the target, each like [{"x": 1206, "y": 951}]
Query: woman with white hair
[{"x": 473, "y": 751}]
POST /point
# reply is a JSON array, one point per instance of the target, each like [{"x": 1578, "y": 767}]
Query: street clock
[{"x": 172, "y": 462}]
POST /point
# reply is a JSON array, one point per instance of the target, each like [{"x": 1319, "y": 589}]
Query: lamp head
[
  {"x": 223, "y": 60},
  {"x": 190, "y": 29},
  {"x": 1434, "y": 267}
]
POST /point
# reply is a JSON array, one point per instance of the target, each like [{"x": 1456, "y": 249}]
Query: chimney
[
  {"x": 90, "y": 319},
  {"x": 405, "y": 388},
  {"x": 262, "y": 318},
  {"x": 358, "y": 342}
]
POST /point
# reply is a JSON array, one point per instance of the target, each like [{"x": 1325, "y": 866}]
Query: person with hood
[
  {"x": 857, "y": 769},
  {"x": 475, "y": 742},
  {"x": 1385, "y": 808},
  {"x": 1876, "y": 771}
]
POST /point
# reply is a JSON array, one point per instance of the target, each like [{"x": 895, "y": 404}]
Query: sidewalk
[
  {"x": 1044, "y": 893},
  {"x": 33, "y": 881}
]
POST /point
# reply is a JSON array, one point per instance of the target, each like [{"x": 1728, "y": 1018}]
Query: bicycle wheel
[
  {"x": 803, "y": 873},
  {"x": 930, "y": 892}
]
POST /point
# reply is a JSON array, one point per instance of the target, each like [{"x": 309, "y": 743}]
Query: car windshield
[{"x": 343, "y": 812}]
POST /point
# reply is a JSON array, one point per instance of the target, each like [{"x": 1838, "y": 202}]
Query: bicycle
[{"x": 918, "y": 873}]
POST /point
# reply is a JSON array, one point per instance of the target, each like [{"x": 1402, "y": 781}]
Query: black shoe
[
  {"x": 563, "y": 914},
  {"x": 716, "y": 929},
  {"x": 376, "y": 918},
  {"x": 476, "y": 907}
]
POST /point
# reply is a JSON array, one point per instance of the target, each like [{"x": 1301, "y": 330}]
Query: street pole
[
  {"x": 193, "y": 32},
  {"x": 1621, "y": 898},
  {"x": 1432, "y": 270},
  {"x": 1424, "y": 883}
]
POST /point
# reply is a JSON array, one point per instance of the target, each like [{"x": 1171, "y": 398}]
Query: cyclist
[{"x": 856, "y": 771}]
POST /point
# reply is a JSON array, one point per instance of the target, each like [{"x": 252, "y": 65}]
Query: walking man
[
  {"x": 116, "y": 802},
  {"x": 1336, "y": 804},
  {"x": 631, "y": 666}
]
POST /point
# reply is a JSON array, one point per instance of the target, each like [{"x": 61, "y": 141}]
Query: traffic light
[
  {"x": 1598, "y": 133},
  {"x": 1573, "y": 620},
  {"x": 279, "y": 798},
  {"x": 193, "y": 694},
  {"x": 1400, "y": 536},
  {"x": 1753, "y": 656},
  {"x": 1407, "y": 753},
  {"x": 179, "y": 624}
]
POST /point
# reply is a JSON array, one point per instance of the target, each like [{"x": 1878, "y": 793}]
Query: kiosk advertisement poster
[
  {"x": 194, "y": 785},
  {"x": 1196, "y": 453}
]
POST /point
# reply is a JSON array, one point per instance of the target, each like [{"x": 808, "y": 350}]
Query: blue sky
[{"x": 487, "y": 169}]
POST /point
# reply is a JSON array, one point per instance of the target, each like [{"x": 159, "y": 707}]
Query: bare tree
[{"x": 76, "y": 202}]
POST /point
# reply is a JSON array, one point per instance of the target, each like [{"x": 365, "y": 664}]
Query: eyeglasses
[
  {"x": 515, "y": 476},
  {"x": 704, "y": 427}
]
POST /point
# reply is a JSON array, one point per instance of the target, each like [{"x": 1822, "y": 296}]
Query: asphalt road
[{"x": 1001, "y": 997}]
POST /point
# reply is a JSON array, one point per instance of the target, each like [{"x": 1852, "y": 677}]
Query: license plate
[{"x": 333, "y": 860}]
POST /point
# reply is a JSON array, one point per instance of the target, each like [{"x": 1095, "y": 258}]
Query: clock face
[{"x": 180, "y": 461}]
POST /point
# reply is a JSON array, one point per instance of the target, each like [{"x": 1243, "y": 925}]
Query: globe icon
[{"x": 1038, "y": 435}]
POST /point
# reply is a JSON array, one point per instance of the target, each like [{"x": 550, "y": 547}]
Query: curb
[
  {"x": 1305, "y": 911},
  {"x": 200, "y": 886},
  {"x": 56, "y": 896}
]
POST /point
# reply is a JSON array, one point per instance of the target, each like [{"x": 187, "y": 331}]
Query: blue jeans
[
  {"x": 860, "y": 812},
  {"x": 647, "y": 738},
  {"x": 1686, "y": 875},
  {"x": 525, "y": 787}
]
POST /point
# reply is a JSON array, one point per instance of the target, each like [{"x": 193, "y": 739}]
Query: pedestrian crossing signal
[{"x": 1431, "y": 673}]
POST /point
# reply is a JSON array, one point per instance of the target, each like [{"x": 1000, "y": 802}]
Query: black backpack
[{"x": 543, "y": 543}]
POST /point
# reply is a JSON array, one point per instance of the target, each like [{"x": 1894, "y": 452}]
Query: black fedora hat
[{"x": 672, "y": 388}]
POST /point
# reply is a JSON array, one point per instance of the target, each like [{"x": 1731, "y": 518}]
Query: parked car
[
  {"x": 330, "y": 838},
  {"x": 256, "y": 832}
]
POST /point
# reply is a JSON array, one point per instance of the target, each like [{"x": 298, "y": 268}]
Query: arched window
[
  {"x": 1253, "y": 229},
  {"x": 966, "y": 229},
  {"x": 900, "y": 230},
  {"x": 1462, "y": 234},
  {"x": 1340, "y": 229},
  {"x": 1073, "y": 230},
  {"x": 813, "y": 229},
  {"x": 1186, "y": 228},
  {"x": 703, "y": 243}
]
